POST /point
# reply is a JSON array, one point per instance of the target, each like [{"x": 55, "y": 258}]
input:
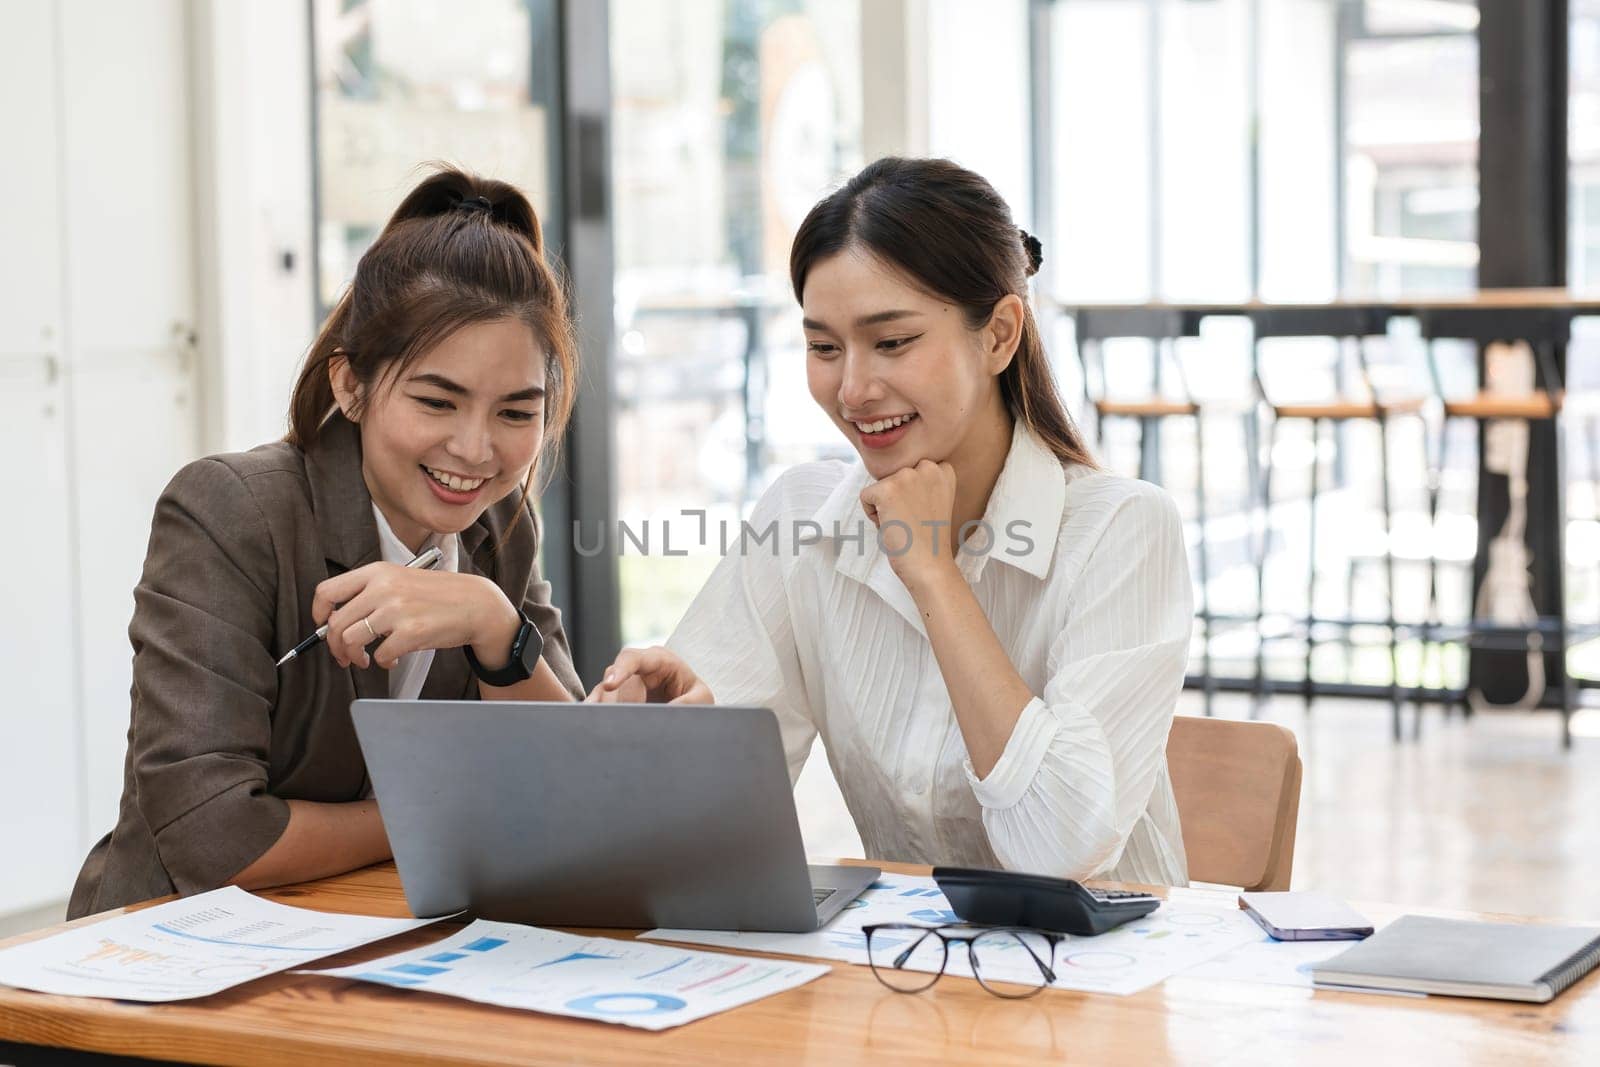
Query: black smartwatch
[{"x": 525, "y": 649}]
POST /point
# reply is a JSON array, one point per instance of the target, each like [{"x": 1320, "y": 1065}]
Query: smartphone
[{"x": 1305, "y": 916}]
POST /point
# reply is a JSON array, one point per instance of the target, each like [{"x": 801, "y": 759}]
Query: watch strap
[{"x": 526, "y": 647}]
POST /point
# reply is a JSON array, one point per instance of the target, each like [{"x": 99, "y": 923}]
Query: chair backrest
[{"x": 1238, "y": 791}]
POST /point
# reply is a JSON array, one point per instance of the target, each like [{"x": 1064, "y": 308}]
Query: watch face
[{"x": 528, "y": 645}]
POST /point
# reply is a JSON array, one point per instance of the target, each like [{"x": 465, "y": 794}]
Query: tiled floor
[{"x": 1487, "y": 814}]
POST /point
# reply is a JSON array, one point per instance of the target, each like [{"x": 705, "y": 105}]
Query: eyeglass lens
[
  {"x": 906, "y": 958},
  {"x": 1010, "y": 963}
]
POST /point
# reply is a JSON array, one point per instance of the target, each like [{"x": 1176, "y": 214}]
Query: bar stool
[
  {"x": 1350, "y": 326},
  {"x": 1163, "y": 327},
  {"x": 1540, "y": 329}
]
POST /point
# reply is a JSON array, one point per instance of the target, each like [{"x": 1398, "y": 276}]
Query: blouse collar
[
  {"x": 394, "y": 550},
  {"x": 1023, "y": 518}
]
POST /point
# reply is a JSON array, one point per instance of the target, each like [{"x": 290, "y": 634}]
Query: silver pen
[{"x": 424, "y": 559}]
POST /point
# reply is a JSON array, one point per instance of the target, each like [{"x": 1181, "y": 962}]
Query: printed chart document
[
  {"x": 1173, "y": 938},
  {"x": 1269, "y": 962},
  {"x": 188, "y": 948},
  {"x": 652, "y": 987}
]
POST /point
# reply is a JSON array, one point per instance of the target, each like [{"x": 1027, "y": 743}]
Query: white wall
[{"x": 157, "y": 170}]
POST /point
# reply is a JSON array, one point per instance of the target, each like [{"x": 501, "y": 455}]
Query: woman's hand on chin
[
  {"x": 406, "y": 610},
  {"x": 653, "y": 675},
  {"x": 912, "y": 509}
]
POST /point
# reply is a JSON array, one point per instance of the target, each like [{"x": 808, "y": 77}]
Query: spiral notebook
[{"x": 1463, "y": 958}]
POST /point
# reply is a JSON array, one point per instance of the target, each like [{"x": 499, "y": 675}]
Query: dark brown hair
[
  {"x": 459, "y": 250},
  {"x": 949, "y": 232}
]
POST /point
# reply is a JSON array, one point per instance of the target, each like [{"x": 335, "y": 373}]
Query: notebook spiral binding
[{"x": 1572, "y": 968}]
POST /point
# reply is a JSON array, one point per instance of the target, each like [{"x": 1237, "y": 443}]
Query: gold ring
[{"x": 368, "y": 624}]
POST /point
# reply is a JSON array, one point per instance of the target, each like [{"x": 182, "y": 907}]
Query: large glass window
[
  {"x": 1292, "y": 150},
  {"x": 1297, "y": 177},
  {"x": 1411, "y": 141},
  {"x": 1103, "y": 67},
  {"x": 1583, "y": 146},
  {"x": 730, "y": 120},
  {"x": 401, "y": 82},
  {"x": 1289, "y": 151}
]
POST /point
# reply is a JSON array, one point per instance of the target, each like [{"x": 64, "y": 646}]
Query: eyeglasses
[{"x": 1009, "y": 961}]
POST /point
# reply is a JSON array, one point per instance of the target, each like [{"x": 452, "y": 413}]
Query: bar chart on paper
[{"x": 652, "y": 987}]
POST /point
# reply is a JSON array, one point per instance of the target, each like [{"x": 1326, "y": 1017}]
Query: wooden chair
[{"x": 1238, "y": 790}]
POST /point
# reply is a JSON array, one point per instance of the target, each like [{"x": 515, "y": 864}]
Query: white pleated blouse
[{"x": 1086, "y": 584}]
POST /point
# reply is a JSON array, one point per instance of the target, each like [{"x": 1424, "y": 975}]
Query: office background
[{"x": 189, "y": 183}]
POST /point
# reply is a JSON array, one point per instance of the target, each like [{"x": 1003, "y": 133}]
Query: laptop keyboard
[{"x": 820, "y": 893}]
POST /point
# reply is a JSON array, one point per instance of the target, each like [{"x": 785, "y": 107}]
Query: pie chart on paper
[{"x": 627, "y": 1004}]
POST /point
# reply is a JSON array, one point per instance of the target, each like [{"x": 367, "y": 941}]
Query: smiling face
[
  {"x": 900, "y": 373},
  {"x": 454, "y": 432}
]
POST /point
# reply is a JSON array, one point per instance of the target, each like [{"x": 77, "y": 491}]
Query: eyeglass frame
[{"x": 945, "y": 940}]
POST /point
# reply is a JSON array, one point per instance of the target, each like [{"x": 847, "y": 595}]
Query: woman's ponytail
[
  {"x": 451, "y": 192},
  {"x": 313, "y": 400}
]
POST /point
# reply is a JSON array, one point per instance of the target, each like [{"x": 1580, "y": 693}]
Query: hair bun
[
  {"x": 450, "y": 191},
  {"x": 1035, "y": 251}
]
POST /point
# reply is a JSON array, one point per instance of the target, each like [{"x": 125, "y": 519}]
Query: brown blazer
[{"x": 219, "y": 739}]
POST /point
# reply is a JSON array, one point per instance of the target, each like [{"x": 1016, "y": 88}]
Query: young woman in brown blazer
[{"x": 443, "y": 375}]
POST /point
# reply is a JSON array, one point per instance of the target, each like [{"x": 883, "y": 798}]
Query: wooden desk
[{"x": 843, "y": 1017}]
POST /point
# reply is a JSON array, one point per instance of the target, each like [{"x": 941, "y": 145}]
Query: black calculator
[{"x": 1008, "y": 898}]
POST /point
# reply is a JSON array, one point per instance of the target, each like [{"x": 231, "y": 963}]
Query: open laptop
[{"x": 608, "y": 815}]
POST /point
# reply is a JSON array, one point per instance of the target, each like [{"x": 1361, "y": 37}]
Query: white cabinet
[
  {"x": 41, "y": 824},
  {"x": 40, "y": 771},
  {"x": 97, "y": 302},
  {"x": 30, "y": 219},
  {"x": 127, "y": 176},
  {"x": 115, "y": 499},
  {"x": 130, "y": 291}
]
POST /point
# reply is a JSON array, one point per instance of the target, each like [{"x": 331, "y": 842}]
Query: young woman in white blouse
[{"x": 988, "y": 632}]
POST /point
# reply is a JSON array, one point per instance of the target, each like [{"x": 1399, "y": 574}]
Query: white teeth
[
  {"x": 884, "y": 424},
  {"x": 451, "y": 481}
]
